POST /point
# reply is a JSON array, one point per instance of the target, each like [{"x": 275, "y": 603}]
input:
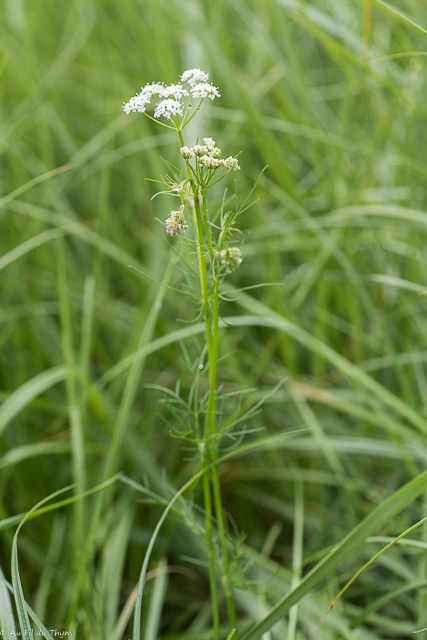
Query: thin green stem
[
  {"x": 219, "y": 511},
  {"x": 211, "y": 553},
  {"x": 211, "y": 426},
  {"x": 207, "y": 499},
  {"x": 205, "y": 220},
  {"x": 184, "y": 124},
  {"x": 212, "y": 328},
  {"x": 201, "y": 261},
  {"x": 162, "y": 123},
  {"x": 211, "y": 415}
]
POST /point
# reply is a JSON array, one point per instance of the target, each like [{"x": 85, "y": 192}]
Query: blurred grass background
[{"x": 307, "y": 89}]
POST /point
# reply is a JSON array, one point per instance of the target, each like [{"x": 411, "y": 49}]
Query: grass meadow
[{"x": 327, "y": 358}]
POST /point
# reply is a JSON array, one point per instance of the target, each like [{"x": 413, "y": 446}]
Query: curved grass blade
[
  {"x": 187, "y": 485},
  {"x": 388, "y": 509},
  {"x": 29, "y": 245},
  {"x": 365, "y": 566},
  {"x": 7, "y": 619},
  {"x": 401, "y": 15},
  {"x": 24, "y": 621},
  {"x": 10, "y": 522},
  {"x": 26, "y": 451},
  {"x": 21, "y": 605},
  {"x": 351, "y": 371},
  {"x": 266, "y": 317},
  {"x": 31, "y": 183},
  {"x": 28, "y": 391},
  {"x": 156, "y": 602},
  {"x": 34, "y": 617},
  {"x": 377, "y": 604}
]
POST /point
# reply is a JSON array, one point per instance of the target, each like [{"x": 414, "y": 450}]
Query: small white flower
[
  {"x": 168, "y": 108},
  {"x": 200, "y": 151},
  {"x": 215, "y": 153},
  {"x": 176, "y": 224},
  {"x": 187, "y": 152},
  {"x": 231, "y": 164},
  {"x": 211, "y": 163},
  {"x": 177, "y": 91},
  {"x": 136, "y": 104},
  {"x": 231, "y": 258},
  {"x": 194, "y": 76},
  {"x": 205, "y": 90},
  {"x": 154, "y": 89},
  {"x": 209, "y": 143}
]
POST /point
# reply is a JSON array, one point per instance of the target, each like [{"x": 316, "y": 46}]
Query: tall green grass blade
[
  {"x": 29, "y": 245},
  {"x": 113, "y": 563},
  {"x": 266, "y": 442},
  {"x": 85, "y": 344},
  {"x": 77, "y": 435},
  {"x": 351, "y": 371},
  {"x": 401, "y": 15},
  {"x": 9, "y": 522},
  {"x": 31, "y": 183},
  {"x": 7, "y": 619},
  {"x": 297, "y": 554},
  {"x": 29, "y": 451},
  {"x": 32, "y": 614},
  {"x": 135, "y": 372},
  {"x": 156, "y": 602},
  {"x": 53, "y": 555},
  {"x": 27, "y": 392},
  {"x": 380, "y": 516},
  {"x": 128, "y": 396},
  {"x": 18, "y": 592},
  {"x": 388, "y": 597}
]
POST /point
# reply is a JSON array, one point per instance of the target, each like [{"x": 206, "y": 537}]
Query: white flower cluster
[
  {"x": 176, "y": 224},
  {"x": 186, "y": 152},
  {"x": 169, "y": 108},
  {"x": 231, "y": 258},
  {"x": 205, "y": 90},
  {"x": 208, "y": 155},
  {"x": 169, "y": 97},
  {"x": 194, "y": 77}
]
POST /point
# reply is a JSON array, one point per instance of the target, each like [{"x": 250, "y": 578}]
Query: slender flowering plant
[{"x": 204, "y": 425}]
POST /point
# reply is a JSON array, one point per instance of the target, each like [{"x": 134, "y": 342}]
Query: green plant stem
[
  {"x": 201, "y": 262},
  {"x": 212, "y": 326},
  {"x": 228, "y": 589},
  {"x": 219, "y": 511},
  {"x": 205, "y": 220},
  {"x": 206, "y": 476},
  {"x": 211, "y": 427},
  {"x": 211, "y": 551}
]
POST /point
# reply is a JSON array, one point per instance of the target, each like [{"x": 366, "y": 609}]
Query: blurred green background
[{"x": 332, "y": 96}]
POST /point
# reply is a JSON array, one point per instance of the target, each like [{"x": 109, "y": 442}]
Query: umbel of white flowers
[
  {"x": 169, "y": 98},
  {"x": 208, "y": 155},
  {"x": 176, "y": 224},
  {"x": 231, "y": 258}
]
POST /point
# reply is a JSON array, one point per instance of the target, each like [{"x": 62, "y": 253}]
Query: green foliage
[{"x": 332, "y": 96}]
